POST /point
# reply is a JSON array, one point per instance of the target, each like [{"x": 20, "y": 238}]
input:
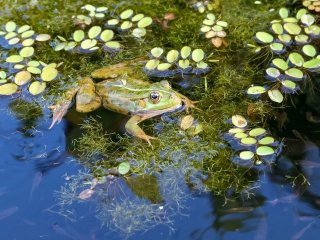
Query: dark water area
[{"x": 35, "y": 164}]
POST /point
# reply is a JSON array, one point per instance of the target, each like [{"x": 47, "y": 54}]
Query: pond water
[{"x": 65, "y": 182}]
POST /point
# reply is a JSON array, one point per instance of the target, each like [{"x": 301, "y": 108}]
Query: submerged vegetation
[{"x": 125, "y": 175}]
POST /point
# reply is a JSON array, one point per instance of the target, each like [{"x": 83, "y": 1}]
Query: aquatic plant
[
  {"x": 203, "y": 6},
  {"x": 103, "y": 35},
  {"x": 312, "y": 5},
  {"x": 185, "y": 61},
  {"x": 253, "y": 147},
  {"x": 214, "y": 30}
]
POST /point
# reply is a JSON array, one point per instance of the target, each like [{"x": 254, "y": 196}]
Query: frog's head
[{"x": 161, "y": 98}]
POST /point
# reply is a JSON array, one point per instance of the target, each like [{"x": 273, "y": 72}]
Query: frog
[{"x": 119, "y": 92}]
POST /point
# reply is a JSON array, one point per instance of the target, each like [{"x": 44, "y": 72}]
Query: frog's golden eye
[{"x": 155, "y": 97}]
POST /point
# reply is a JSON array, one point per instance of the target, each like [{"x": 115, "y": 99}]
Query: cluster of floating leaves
[
  {"x": 202, "y": 6},
  {"x": 185, "y": 61},
  {"x": 214, "y": 30},
  {"x": 97, "y": 37},
  {"x": 253, "y": 146},
  {"x": 312, "y": 5},
  {"x": 19, "y": 69},
  {"x": 291, "y": 37}
]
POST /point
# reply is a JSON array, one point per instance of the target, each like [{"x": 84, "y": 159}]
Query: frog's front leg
[{"x": 133, "y": 128}]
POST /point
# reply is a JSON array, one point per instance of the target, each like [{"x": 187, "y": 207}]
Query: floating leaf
[
  {"x": 264, "y": 37},
  {"x": 78, "y": 35},
  {"x": 285, "y": 38},
  {"x": 37, "y": 87},
  {"x": 294, "y": 73},
  {"x": 10, "y": 26},
  {"x": 205, "y": 29},
  {"x": 8, "y": 89},
  {"x": 89, "y": 7},
  {"x": 272, "y": 72},
  {"x": 283, "y": 12},
  {"x": 301, "y": 12},
  {"x": 211, "y": 34},
  {"x": 211, "y": 16},
  {"x": 43, "y": 37},
  {"x": 277, "y": 28},
  {"x": 280, "y": 63},
  {"x": 156, "y": 52},
  {"x": 185, "y": 52},
  {"x": 18, "y": 66},
  {"x": 301, "y": 39},
  {"x": 137, "y": 17},
  {"x": 289, "y": 84},
  {"x": 313, "y": 30},
  {"x": 239, "y": 121},
  {"x": 48, "y": 73},
  {"x": 197, "y": 55},
  {"x": 264, "y": 151},
  {"x": 10, "y": 35},
  {"x": 27, "y": 34},
  {"x": 257, "y": 132},
  {"x": 26, "y": 52},
  {"x": 145, "y": 22},
  {"x": 126, "y": 14},
  {"x": 22, "y": 78},
  {"x": 88, "y": 43},
  {"x": 13, "y": 41},
  {"x": 139, "y": 32},
  {"x": 248, "y": 141},
  {"x": 275, "y": 95},
  {"x": 256, "y": 90},
  {"x": 277, "y": 47},
  {"x": 112, "y": 22},
  {"x": 107, "y": 35},
  {"x": 222, "y": 24},
  {"x": 164, "y": 66},
  {"x": 123, "y": 168},
  {"x": 240, "y": 135},
  {"x": 266, "y": 140},
  {"x": 152, "y": 64},
  {"x": 126, "y": 25},
  {"x": 94, "y": 32},
  {"x": 3, "y": 75},
  {"x": 14, "y": 59},
  {"x": 114, "y": 45},
  {"x": 184, "y": 63},
  {"x": 296, "y": 59},
  {"x": 34, "y": 70},
  {"x": 307, "y": 19},
  {"x": 217, "y": 28},
  {"x": 23, "y": 28},
  {"x": 102, "y": 9},
  {"x": 202, "y": 65},
  {"x": 309, "y": 50},
  {"x": 28, "y": 42},
  {"x": 246, "y": 155},
  {"x": 236, "y": 130},
  {"x": 33, "y": 63},
  {"x": 292, "y": 28},
  {"x": 312, "y": 64},
  {"x": 172, "y": 56}
]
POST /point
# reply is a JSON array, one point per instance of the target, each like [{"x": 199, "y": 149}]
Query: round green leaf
[
  {"x": 266, "y": 140},
  {"x": 240, "y": 135},
  {"x": 8, "y": 89},
  {"x": 102, "y": 9},
  {"x": 307, "y": 19},
  {"x": 10, "y": 35},
  {"x": 205, "y": 29},
  {"x": 211, "y": 16},
  {"x": 23, "y": 28},
  {"x": 296, "y": 59},
  {"x": 137, "y": 17},
  {"x": 246, "y": 155},
  {"x": 14, "y": 59},
  {"x": 94, "y": 32},
  {"x": 123, "y": 168},
  {"x": 172, "y": 56},
  {"x": 112, "y": 22},
  {"x": 197, "y": 55},
  {"x": 89, "y": 7},
  {"x": 43, "y": 37},
  {"x": 280, "y": 63},
  {"x": 88, "y": 43},
  {"x": 3, "y": 75},
  {"x": 289, "y": 84},
  {"x": 33, "y": 63},
  {"x": 256, "y": 90},
  {"x": 126, "y": 14},
  {"x": 292, "y": 28},
  {"x": 126, "y": 25},
  {"x": 185, "y": 52},
  {"x": 285, "y": 38},
  {"x": 27, "y": 42},
  {"x": 277, "y": 28},
  {"x": 164, "y": 66},
  {"x": 145, "y": 22},
  {"x": 22, "y": 78},
  {"x": 78, "y": 35},
  {"x": 202, "y": 65},
  {"x": 309, "y": 50},
  {"x": 139, "y": 32},
  {"x": 264, "y": 151},
  {"x": 34, "y": 70},
  {"x": 236, "y": 130},
  {"x": 13, "y": 41},
  {"x": 184, "y": 63},
  {"x": 48, "y": 73},
  {"x": 217, "y": 28},
  {"x": 26, "y": 52},
  {"x": 114, "y": 45},
  {"x": 107, "y": 35},
  {"x": 152, "y": 64},
  {"x": 37, "y": 87},
  {"x": 313, "y": 30},
  {"x": 294, "y": 73},
  {"x": 301, "y": 38},
  {"x": 257, "y": 132},
  {"x": 248, "y": 141},
  {"x": 275, "y": 95},
  {"x": 276, "y": 47},
  {"x": 27, "y": 34},
  {"x": 222, "y": 24},
  {"x": 10, "y": 26},
  {"x": 273, "y": 72},
  {"x": 156, "y": 52},
  {"x": 301, "y": 12},
  {"x": 283, "y": 12},
  {"x": 312, "y": 64},
  {"x": 264, "y": 37}
]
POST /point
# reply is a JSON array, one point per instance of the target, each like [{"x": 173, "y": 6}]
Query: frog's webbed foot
[
  {"x": 188, "y": 103},
  {"x": 61, "y": 108},
  {"x": 133, "y": 128}
]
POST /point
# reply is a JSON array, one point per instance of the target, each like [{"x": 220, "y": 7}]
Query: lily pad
[
  {"x": 185, "y": 52},
  {"x": 112, "y": 22},
  {"x": 13, "y": 41},
  {"x": 307, "y": 19},
  {"x": 22, "y": 78},
  {"x": 27, "y": 34},
  {"x": 277, "y": 47},
  {"x": 264, "y": 37},
  {"x": 23, "y": 28},
  {"x": 28, "y": 42},
  {"x": 184, "y": 63},
  {"x": 172, "y": 56},
  {"x": 295, "y": 74},
  {"x": 48, "y": 74},
  {"x": 107, "y": 35},
  {"x": 283, "y": 12},
  {"x": 264, "y": 151},
  {"x": 126, "y": 14},
  {"x": 197, "y": 55},
  {"x": 240, "y": 135},
  {"x": 256, "y": 90},
  {"x": 211, "y": 16},
  {"x": 296, "y": 59},
  {"x": 145, "y": 22},
  {"x": 302, "y": 39},
  {"x": 123, "y": 168},
  {"x": 292, "y": 28},
  {"x": 248, "y": 141},
  {"x": 37, "y": 87},
  {"x": 113, "y": 45},
  {"x": 222, "y": 24},
  {"x": 208, "y": 22},
  {"x": 94, "y": 32},
  {"x": 164, "y": 66},
  {"x": 156, "y": 52},
  {"x": 126, "y": 25},
  {"x": 257, "y": 132},
  {"x": 10, "y": 26},
  {"x": 88, "y": 43},
  {"x": 273, "y": 73},
  {"x": 202, "y": 65},
  {"x": 205, "y": 29},
  {"x": 246, "y": 155},
  {"x": 280, "y": 63},
  {"x": 26, "y": 52},
  {"x": 309, "y": 50},
  {"x": 139, "y": 32},
  {"x": 236, "y": 130},
  {"x": 34, "y": 70},
  {"x": 8, "y": 89},
  {"x": 313, "y": 30},
  {"x": 239, "y": 121},
  {"x": 14, "y": 59},
  {"x": 137, "y": 17},
  {"x": 289, "y": 84},
  {"x": 275, "y": 95},
  {"x": 152, "y": 64},
  {"x": 312, "y": 65},
  {"x": 277, "y": 28},
  {"x": 266, "y": 140},
  {"x": 285, "y": 39},
  {"x": 43, "y": 37},
  {"x": 78, "y": 35}
]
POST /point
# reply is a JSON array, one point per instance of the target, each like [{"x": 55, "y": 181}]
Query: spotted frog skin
[{"x": 119, "y": 93}]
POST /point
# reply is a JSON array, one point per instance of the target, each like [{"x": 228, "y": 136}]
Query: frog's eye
[{"x": 154, "y": 97}]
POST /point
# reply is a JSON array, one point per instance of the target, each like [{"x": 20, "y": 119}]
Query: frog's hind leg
[{"x": 87, "y": 100}]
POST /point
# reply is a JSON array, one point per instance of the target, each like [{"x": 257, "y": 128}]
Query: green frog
[{"x": 119, "y": 93}]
